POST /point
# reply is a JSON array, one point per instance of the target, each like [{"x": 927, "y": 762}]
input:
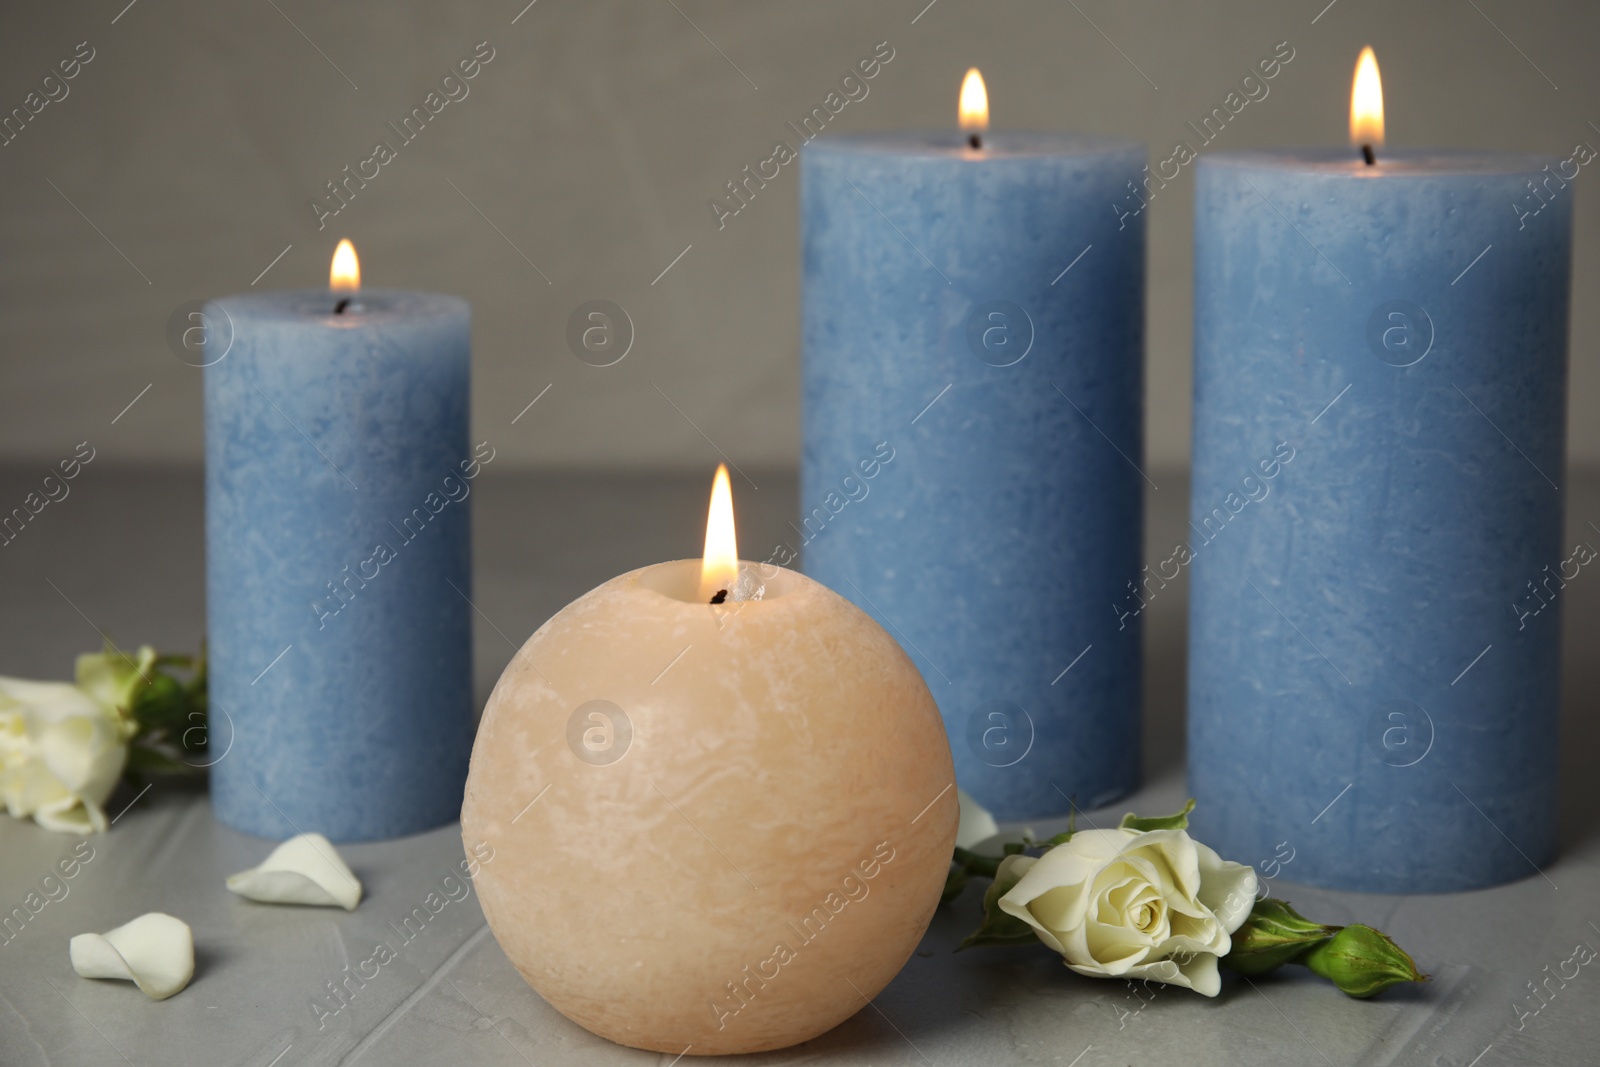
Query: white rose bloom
[
  {"x": 1157, "y": 905},
  {"x": 61, "y": 754}
]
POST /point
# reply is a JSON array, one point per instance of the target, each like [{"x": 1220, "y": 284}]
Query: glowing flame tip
[
  {"x": 1366, "y": 102},
  {"x": 345, "y": 273},
  {"x": 719, "y": 567},
  {"x": 974, "y": 106}
]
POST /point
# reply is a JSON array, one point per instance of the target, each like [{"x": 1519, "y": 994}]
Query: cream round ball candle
[{"x": 720, "y": 801}]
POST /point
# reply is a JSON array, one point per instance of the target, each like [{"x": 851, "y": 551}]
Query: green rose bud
[
  {"x": 1362, "y": 962},
  {"x": 163, "y": 716},
  {"x": 1273, "y": 935}
]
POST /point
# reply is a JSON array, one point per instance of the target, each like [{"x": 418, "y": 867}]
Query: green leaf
[
  {"x": 999, "y": 928},
  {"x": 1273, "y": 935},
  {"x": 1180, "y": 821}
]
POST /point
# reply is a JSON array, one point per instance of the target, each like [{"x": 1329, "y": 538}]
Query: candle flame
[
  {"x": 974, "y": 107},
  {"x": 345, "y": 274},
  {"x": 719, "y": 567},
  {"x": 1366, "y": 102}
]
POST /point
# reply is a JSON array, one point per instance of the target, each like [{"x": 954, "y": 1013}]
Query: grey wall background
[{"x": 183, "y": 160}]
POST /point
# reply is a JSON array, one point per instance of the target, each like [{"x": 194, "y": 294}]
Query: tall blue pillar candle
[
  {"x": 1380, "y": 373},
  {"x": 973, "y": 423},
  {"x": 338, "y": 563}
]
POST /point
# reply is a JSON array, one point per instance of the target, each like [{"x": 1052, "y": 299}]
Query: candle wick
[
  {"x": 1368, "y": 155},
  {"x": 339, "y": 308},
  {"x": 720, "y": 597},
  {"x": 976, "y": 140}
]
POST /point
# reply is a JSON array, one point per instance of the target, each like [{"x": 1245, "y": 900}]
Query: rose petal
[
  {"x": 1198, "y": 972},
  {"x": 1067, "y": 866},
  {"x": 1164, "y": 971},
  {"x": 1227, "y": 888},
  {"x": 61, "y": 754},
  {"x": 1201, "y": 971},
  {"x": 49, "y": 701},
  {"x": 1014, "y": 867},
  {"x": 1055, "y": 894},
  {"x": 1025, "y": 913},
  {"x": 1206, "y": 936},
  {"x": 86, "y": 754},
  {"x": 1116, "y": 947},
  {"x": 111, "y": 679},
  {"x": 154, "y": 951},
  {"x": 1174, "y": 852},
  {"x": 1116, "y": 889},
  {"x": 976, "y": 822},
  {"x": 69, "y": 815},
  {"x": 1119, "y": 891},
  {"x": 31, "y": 785},
  {"x": 1090, "y": 969},
  {"x": 303, "y": 870}
]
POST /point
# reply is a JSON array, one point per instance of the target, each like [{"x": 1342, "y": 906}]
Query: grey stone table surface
[{"x": 123, "y": 554}]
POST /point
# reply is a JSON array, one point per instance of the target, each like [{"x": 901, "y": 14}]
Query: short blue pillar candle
[
  {"x": 1380, "y": 374},
  {"x": 973, "y": 424},
  {"x": 338, "y": 561}
]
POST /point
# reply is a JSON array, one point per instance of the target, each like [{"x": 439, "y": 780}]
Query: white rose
[
  {"x": 1156, "y": 905},
  {"x": 61, "y": 754}
]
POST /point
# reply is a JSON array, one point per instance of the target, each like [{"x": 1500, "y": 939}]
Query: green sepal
[
  {"x": 170, "y": 717},
  {"x": 1273, "y": 935},
  {"x": 998, "y": 927},
  {"x": 1179, "y": 821}
]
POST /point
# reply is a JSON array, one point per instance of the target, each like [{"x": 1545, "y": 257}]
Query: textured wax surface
[
  {"x": 340, "y": 673},
  {"x": 1363, "y": 687},
  {"x": 997, "y": 542},
  {"x": 742, "y": 844}
]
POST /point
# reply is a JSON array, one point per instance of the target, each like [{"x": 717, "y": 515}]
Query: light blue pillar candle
[
  {"x": 1380, "y": 374},
  {"x": 338, "y": 559},
  {"x": 973, "y": 391}
]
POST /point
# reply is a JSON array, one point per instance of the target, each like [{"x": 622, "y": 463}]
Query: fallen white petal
[
  {"x": 155, "y": 952},
  {"x": 303, "y": 870},
  {"x": 976, "y": 822}
]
